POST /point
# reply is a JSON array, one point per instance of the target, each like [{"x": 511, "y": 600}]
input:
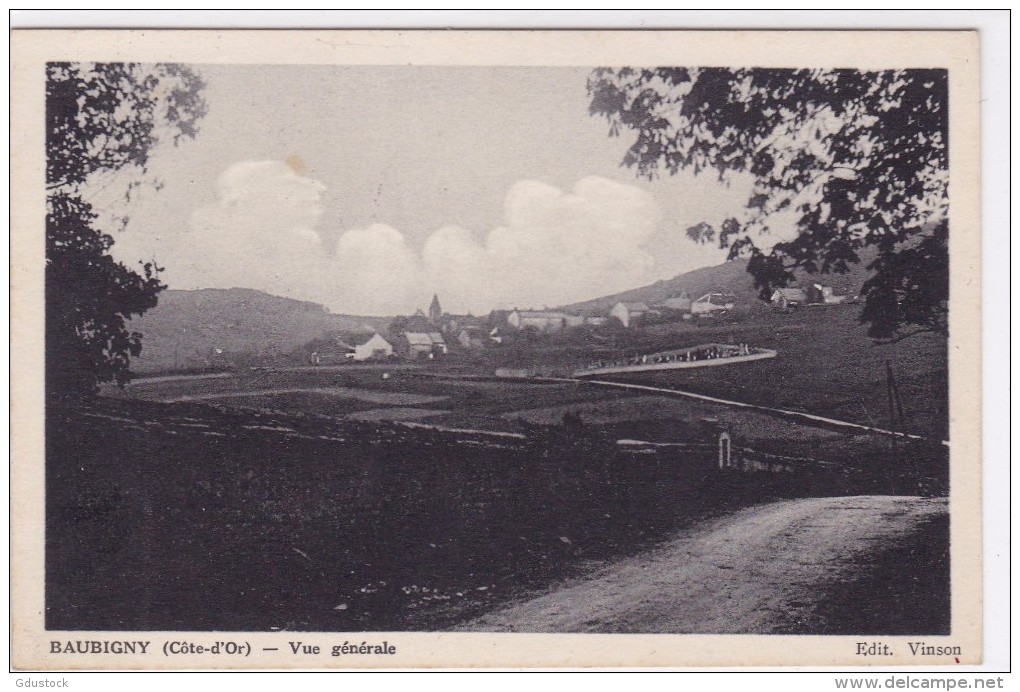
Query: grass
[
  {"x": 275, "y": 512},
  {"x": 826, "y": 365},
  {"x": 189, "y": 517},
  {"x": 455, "y": 398}
]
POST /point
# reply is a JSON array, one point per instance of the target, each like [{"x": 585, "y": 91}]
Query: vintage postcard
[{"x": 495, "y": 349}]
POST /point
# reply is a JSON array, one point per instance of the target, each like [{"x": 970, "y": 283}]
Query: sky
[{"x": 367, "y": 189}]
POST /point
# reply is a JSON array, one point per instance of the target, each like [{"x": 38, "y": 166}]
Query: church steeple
[{"x": 435, "y": 312}]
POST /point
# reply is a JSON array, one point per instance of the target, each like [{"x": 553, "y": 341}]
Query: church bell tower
[{"x": 435, "y": 312}]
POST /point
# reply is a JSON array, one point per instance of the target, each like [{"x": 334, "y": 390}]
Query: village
[{"x": 435, "y": 335}]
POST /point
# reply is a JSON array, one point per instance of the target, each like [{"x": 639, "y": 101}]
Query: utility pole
[{"x": 896, "y": 422}]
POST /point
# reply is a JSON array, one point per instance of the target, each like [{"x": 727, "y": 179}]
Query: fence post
[{"x": 725, "y": 445}]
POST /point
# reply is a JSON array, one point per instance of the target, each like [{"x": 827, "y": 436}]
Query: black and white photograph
[{"x": 336, "y": 351}]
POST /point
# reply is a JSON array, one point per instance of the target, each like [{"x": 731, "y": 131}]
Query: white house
[
  {"x": 627, "y": 313},
  {"x": 818, "y": 294},
  {"x": 784, "y": 298},
  {"x": 428, "y": 344},
  {"x": 471, "y": 337},
  {"x": 712, "y": 304},
  {"x": 376, "y": 347},
  {"x": 543, "y": 320}
]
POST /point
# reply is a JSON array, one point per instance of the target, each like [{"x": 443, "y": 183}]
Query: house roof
[
  {"x": 424, "y": 338},
  {"x": 543, "y": 314},
  {"x": 790, "y": 293},
  {"x": 464, "y": 320},
  {"x": 418, "y": 338},
  {"x": 717, "y": 299},
  {"x": 374, "y": 338}
]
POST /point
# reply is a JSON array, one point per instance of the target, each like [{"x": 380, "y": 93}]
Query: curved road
[{"x": 760, "y": 571}]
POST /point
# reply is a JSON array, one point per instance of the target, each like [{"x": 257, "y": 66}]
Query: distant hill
[
  {"x": 185, "y": 327},
  {"x": 728, "y": 277}
]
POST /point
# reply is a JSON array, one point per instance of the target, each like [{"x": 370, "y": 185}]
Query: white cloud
[
  {"x": 266, "y": 202},
  {"x": 259, "y": 233},
  {"x": 554, "y": 247},
  {"x": 376, "y": 272}
]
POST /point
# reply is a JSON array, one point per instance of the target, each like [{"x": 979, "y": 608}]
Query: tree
[
  {"x": 101, "y": 119},
  {"x": 859, "y": 159}
]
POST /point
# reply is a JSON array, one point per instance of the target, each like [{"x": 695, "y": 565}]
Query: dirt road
[{"x": 762, "y": 570}]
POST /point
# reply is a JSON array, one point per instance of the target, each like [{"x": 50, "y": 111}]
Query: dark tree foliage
[
  {"x": 701, "y": 232},
  {"x": 101, "y": 118},
  {"x": 859, "y": 158},
  {"x": 89, "y": 296}
]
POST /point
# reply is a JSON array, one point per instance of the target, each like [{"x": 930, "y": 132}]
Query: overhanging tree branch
[
  {"x": 90, "y": 296},
  {"x": 790, "y": 130}
]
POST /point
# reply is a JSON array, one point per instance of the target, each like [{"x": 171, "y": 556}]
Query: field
[
  {"x": 190, "y": 516},
  {"x": 402, "y": 497},
  {"x": 187, "y": 517},
  {"x": 445, "y": 401},
  {"x": 826, "y": 365},
  {"x": 460, "y": 395}
]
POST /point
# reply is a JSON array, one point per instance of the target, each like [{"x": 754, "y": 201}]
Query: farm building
[
  {"x": 472, "y": 337},
  {"x": 425, "y": 344},
  {"x": 331, "y": 353},
  {"x": 499, "y": 317},
  {"x": 680, "y": 303},
  {"x": 713, "y": 304},
  {"x": 375, "y": 348},
  {"x": 543, "y": 320},
  {"x": 817, "y": 294},
  {"x": 453, "y": 324},
  {"x": 627, "y": 313},
  {"x": 784, "y": 298}
]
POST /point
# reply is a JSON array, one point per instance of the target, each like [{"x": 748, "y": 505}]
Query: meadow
[
  {"x": 825, "y": 365},
  {"x": 190, "y": 517},
  {"x": 403, "y": 497}
]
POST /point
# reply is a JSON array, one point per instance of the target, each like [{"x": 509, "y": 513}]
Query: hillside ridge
[
  {"x": 187, "y": 326},
  {"x": 729, "y": 277}
]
